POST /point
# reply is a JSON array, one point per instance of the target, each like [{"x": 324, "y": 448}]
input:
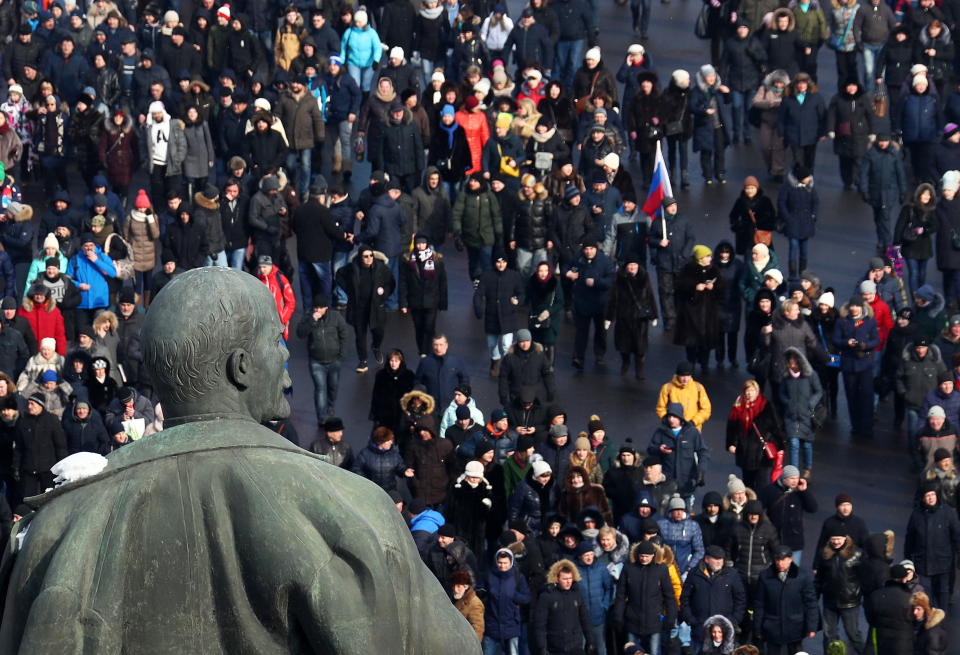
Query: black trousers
[
  {"x": 727, "y": 347},
  {"x": 712, "y": 162},
  {"x": 161, "y": 184},
  {"x": 425, "y": 326},
  {"x": 858, "y": 386},
  {"x": 582, "y": 327},
  {"x": 806, "y": 155},
  {"x": 360, "y": 332},
  {"x": 665, "y": 289}
]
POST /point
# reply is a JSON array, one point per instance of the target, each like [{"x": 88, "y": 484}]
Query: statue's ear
[{"x": 240, "y": 368}]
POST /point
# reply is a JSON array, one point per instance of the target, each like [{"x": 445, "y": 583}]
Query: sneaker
[
  {"x": 378, "y": 355},
  {"x": 362, "y": 367},
  {"x": 722, "y": 179}
]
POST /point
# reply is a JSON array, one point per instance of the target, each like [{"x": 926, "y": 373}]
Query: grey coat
[
  {"x": 176, "y": 149},
  {"x": 791, "y": 334},
  {"x": 200, "y": 155},
  {"x": 798, "y": 397}
]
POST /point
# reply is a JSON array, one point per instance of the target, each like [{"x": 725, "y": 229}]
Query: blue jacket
[
  {"x": 860, "y": 357},
  {"x": 343, "y": 97},
  {"x": 919, "y": 119},
  {"x": 361, "y": 47},
  {"x": 596, "y": 587},
  {"x": 631, "y": 524},
  {"x": 82, "y": 271},
  {"x": 798, "y": 206},
  {"x": 383, "y": 226},
  {"x": 440, "y": 375},
  {"x": 592, "y": 301},
  {"x": 574, "y": 18},
  {"x": 700, "y": 101},
  {"x": 17, "y": 239},
  {"x": 8, "y": 275},
  {"x": 506, "y": 591},
  {"x": 688, "y": 461},
  {"x": 382, "y": 467},
  {"x": 950, "y": 404},
  {"x": 802, "y": 124},
  {"x": 685, "y": 540}
]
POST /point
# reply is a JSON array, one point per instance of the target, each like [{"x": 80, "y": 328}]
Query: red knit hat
[{"x": 142, "y": 201}]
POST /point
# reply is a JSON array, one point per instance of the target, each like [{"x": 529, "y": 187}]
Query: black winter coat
[
  {"x": 561, "y": 621},
  {"x": 741, "y": 63},
  {"x": 645, "y": 602},
  {"x": 752, "y": 546},
  {"x": 645, "y": 111},
  {"x": 731, "y": 304},
  {"x": 188, "y": 242},
  {"x": 698, "y": 312},
  {"x": 85, "y": 436},
  {"x": 396, "y": 26},
  {"x": 570, "y": 225},
  {"x": 851, "y": 119},
  {"x": 679, "y": 233},
  {"x": 388, "y": 388},
  {"x": 749, "y": 455},
  {"x": 838, "y": 576},
  {"x": 39, "y": 444},
  {"x": 316, "y": 232},
  {"x": 786, "y": 510},
  {"x": 913, "y": 216},
  {"x": 468, "y": 513},
  {"x": 802, "y": 125},
  {"x": 370, "y": 309},
  {"x": 233, "y": 221},
  {"x": 705, "y": 595},
  {"x": 381, "y": 467},
  {"x": 674, "y": 106},
  {"x": 785, "y": 612},
  {"x": 742, "y": 224},
  {"x": 948, "y": 225},
  {"x": 933, "y": 538},
  {"x": 888, "y": 612},
  {"x": 541, "y": 297},
  {"x": 398, "y": 148},
  {"x": 592, "y": 301},
  {"x": 798, "y": 205},
  {"x": 525, "y": 368},
  {"x": 492, "y": 300},
  {"x": 531, "y": 222},
  {"x": 423, "y": 289},
  {"x": 631, "y": 307},
  {"x": 452, "y": 161}
]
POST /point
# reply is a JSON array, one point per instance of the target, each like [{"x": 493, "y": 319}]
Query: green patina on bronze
[{"x": 217, "y": 535}]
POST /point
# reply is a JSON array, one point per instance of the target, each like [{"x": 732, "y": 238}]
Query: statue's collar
[{"x": 213, "y": 416}]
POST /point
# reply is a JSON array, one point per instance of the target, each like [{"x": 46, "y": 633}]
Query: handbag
[
  {"x": 819, "y": 415},
  {"x": 769, "y": 448},
  {"x": 505, "y": 167},
  {"x": 124, "y": 265},
  {"x": 654, "y": 132},
  {"x": 837, "y": 42},
  {"x": 581, "y": 104},
  {"x": 674, "y": 128},
  {"x": 955, "y": 240},
  {"x": 759, "y": 364},
  {"x": 760, "y": 236},
  {"x": 701, "y": 28},
  {"x": 833, "y": 360},
  {"x": 777, "y": 470},
  {"x": 360, "y": 148},
  {"x": 543, "y": 325}
]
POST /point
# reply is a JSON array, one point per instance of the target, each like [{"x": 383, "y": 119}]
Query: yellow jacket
[{"x": 693, "y": 397}]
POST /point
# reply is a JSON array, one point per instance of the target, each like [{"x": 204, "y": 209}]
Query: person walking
[
  {"x": 855, "y": 336},
  {"x": 593, "y": 276},
  {"x": 785, "y": 605},
  {"x": 671, "y": 243},
  {"x": 497, "y": 294},
  {"x": 631, "y": 309},
  {"x": 326, "y": 335},
  {"x": 423, "y": 289},
  {"x": 883, "y": 184},
  {"x": 753, "y": 422},
  {"x": 837, "y": 580},
  {"x": 368, "y": 283}
]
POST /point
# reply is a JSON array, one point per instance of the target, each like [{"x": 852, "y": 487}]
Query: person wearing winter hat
[
  {"x": 786, "y": 501},
  {"x": 671, "y": 241},
  {"x": 856, "y": 337},
  {"x": 932, "y": 540},
  {"x": 712, "y": 122}
]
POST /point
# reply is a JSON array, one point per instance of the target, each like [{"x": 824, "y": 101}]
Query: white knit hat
[
  {"x": 540, "y": 467},
  {"x": 950, "y": 180},
  {"x": 593, "y": 54},
  {"x": 438, "y": 76},
  {"x": 262, "y": 104},
  {"x": 827, "y": 299},
  {"x": 171, "y": 17},
  {"x": 396, "y": 52},
  {"x": 681, "y": 78},
  {"x": 15, "y": 88},
  {"x": 51, "y": 241},
  {"x": 473, "y": 469},
  {"x": 156, "y": 106},
  {"x": 360, "y": 17},
  {"x": 612, "y": 160},
  {"x": 635, "y": 49},
  {"x": 775, "y": 274}
]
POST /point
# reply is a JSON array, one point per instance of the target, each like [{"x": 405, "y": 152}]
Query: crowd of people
[{"x": 138, "y": 141}]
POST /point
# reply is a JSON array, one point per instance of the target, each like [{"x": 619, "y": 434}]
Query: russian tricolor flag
[{"x": 659, "y": 186}]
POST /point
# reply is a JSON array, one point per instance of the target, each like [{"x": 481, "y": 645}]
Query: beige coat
[{"x": 141, "y": 231}]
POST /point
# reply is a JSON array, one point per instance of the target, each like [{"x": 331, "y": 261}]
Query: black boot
[
  {"x": 624, "y": 363},
  {"x": 638, "y": 367},
  {"x": 803, "y": 265},
  {"x": 793, "y": 270}
]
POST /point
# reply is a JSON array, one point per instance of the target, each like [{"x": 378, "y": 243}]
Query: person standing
[
  {"x": 838, "y": 582},
  {"x": 932, "y": 540},
  {"x": 888, "y": 612},
  {"x": 883, "y": 184},
  {"x": 786, "y": 501},
  {"x": 631, "y": 308},
  {"x": 753, "y": 422},
  {"x": 326, "y": 334},
  {"x": 798, "y": 204},
  {"x": 785, "y": 605},
  {"x": 710, "y": 104},
  {"x": 368, "y": 283},
  {"x": 645, "y": 604},
  {"x": 593, "y": 276},
  {"x": 39, "y": 443},
  {"x": 317, "y": 234},
  {"x": 855, "y": 336},
  {"x": 164, "y": 148},
  {"x": 91, "y": 269},
  {"x": 671, "y": 244},
  {"x": 699, "y": 292},
  {"x": 281, "y": 290},
  {"x": 803, "y": 120},
  {"x": 423, "y": 289},
  {"x": 711, "y": 588},
  {"x": 497, "y": 294},
  {"x": 477, "y": 224},
  {"x": 800, "y": 392}
]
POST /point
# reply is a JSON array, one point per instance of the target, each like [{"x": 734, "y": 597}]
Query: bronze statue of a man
[{"x": 216, "y": 535}]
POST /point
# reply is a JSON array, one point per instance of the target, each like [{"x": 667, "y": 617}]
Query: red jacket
[
  {"x": 884, "y": 319},
  {"x": 282, "y": 292},
  {"x": 477, "y": 131},
  {"x": 46, "y": 322}
]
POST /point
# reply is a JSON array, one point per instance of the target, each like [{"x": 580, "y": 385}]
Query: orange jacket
[{"x": 477, "y": 131}]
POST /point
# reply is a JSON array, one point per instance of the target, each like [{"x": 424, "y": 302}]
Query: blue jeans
[
  {"x": 527, "y": 258},
  {"x": 479, "y": 260},
  {"x": 326, "y": 381},
  {"x": 315, "y": 277},
  {"x": 649, "y": 643},
  {"x": 600, "y": 638},
  {"x": 916, "y": 274},
  {"x": 499, "y": 344},
  {"x": 740, "y": 100},
  {"x": 426, "y": 69},
  {"x": 867, "y": 63},
  {"x": 218, "y": 259},
  {"x": 566, "y": 60},
  {"x": 505, "y": 646},
  {"x": 882, "y": 217},
  {"x": 797, "y": 556},
  {"x": 235, "y": 258},
  {"x": 302, "y": 169},
  {"x": 266, "y": 37},
  {"x": 798, "y": 250},
  {"x": 340, "y": 259},
  {"x": 362, "y": 76},
  {"x": 394, "y": 265},
  {"x": 641, "y": 10},
  {"x": 798, "y": 448}
]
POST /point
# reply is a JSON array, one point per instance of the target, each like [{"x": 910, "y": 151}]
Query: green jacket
[
  {"x": 221, "y": 537},
  {"x": 476, "y": 218},
  {"x": 811, "y": 26}
]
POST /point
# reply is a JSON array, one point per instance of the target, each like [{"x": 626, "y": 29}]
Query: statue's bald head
[{"x": 206, "y": 333}]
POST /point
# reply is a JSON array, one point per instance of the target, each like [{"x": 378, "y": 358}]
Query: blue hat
[
  {"x": 335, "y": 59},
  {"x": 448, "y": 110},
  {"x": 48, "y": 376}
]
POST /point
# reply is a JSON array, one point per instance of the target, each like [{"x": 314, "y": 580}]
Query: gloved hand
[
  {"x": 544, "y": 315},
  {"x": 487, "y": 503}
]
